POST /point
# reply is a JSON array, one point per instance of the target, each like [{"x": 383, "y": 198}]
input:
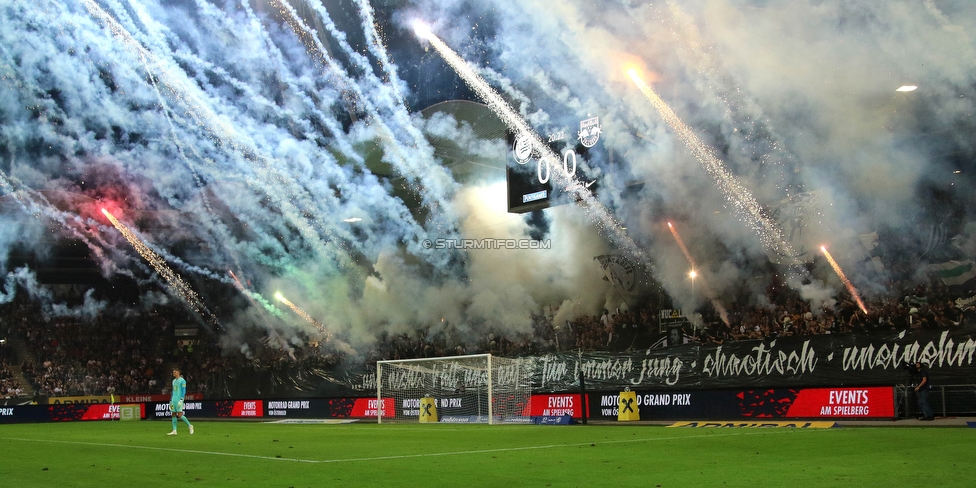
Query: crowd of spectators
[
  {"x": 9, "y": 386},
  {"x": 920, "y": 306},
  {"x": 923, "y": 307},
  {"x": 117, "y": 354},
  {"x": 122, "y": 353},
  {"x": 103, "y": 355}
]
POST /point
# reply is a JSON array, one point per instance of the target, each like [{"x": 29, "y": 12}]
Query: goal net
[{"x": 478, "y": 388}]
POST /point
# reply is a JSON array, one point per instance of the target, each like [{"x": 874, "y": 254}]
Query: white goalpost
[{"x": 477, "y": 388}]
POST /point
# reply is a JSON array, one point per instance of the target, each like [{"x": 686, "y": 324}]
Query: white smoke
[{"x": 238, "y": 136}]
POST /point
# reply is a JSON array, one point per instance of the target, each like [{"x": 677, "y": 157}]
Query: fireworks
[
  {"x": 237, "y": 282},
  {"x": 253, "y": 297},
  {"x": 723, "y": 314},
  {"x": 843, "y": 277},
  {"x": 611, "y": 228},
  {"x": 301, "y": 313},
  {"x": 176, "y": 284},
  {"x": 742, "y": 200},
  {"x": 681, "y": 244}
]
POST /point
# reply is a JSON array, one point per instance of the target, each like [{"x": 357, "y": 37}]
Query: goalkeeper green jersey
[{"x": 179, "y": 390}]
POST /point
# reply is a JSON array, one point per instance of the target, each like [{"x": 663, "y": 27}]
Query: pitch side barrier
[
  {"x": 873, "y": 402},
  {"x": 92, "y": 408},
  {"x": 82, "y": 409},
  {"x": 777, "y": 403}
]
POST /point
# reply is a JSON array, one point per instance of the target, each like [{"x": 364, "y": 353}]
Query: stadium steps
[
  {"x": 25, "y": 386},
  {"x": 22, "y": 353}
]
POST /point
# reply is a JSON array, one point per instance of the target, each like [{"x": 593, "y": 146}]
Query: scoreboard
[{"x": 530, "y": 185}]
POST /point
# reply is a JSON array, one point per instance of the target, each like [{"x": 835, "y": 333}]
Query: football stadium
[{"x": 486, "y": 242}]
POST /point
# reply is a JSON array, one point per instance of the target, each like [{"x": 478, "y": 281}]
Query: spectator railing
[{"x": 945, "y": 400}]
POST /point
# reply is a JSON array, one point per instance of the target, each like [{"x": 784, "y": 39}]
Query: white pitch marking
[{"x": 386, "y": 458}]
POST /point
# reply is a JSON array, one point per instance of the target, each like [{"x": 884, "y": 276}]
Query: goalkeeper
[{"x": 176, "y": 401}]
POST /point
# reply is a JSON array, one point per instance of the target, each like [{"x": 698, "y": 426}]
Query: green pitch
[{"x": 260, "y": 454}]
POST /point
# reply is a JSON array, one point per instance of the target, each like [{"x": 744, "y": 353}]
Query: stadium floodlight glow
[
  {"x": 421, "y": 29},
  {"x": 907, "y": 88}
]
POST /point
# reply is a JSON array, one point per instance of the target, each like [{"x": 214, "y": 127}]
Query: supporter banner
[
  {"x": 864, "y": 359},
  {"x": 826, "y": 360},
  {"x": 776, "y": 403}
]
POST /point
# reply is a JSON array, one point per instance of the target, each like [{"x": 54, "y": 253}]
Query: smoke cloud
[{"x": 248, "y": 137}]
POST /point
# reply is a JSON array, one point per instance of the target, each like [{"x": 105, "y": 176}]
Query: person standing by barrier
[
  {"x": 176, "y": 401},
  {"x": 922, "y": 391}
]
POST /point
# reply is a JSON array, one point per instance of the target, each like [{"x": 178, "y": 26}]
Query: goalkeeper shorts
[{"x": 176, "y": 407}]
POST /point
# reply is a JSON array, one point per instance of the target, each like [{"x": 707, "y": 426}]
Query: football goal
[{"x": 478, "y": 388}]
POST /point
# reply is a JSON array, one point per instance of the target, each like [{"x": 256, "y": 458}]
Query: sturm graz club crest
[
  {"x": 621, "y": 272},
  {"x": 522, "y": 148},
  {"x": 590, "y": 131}
]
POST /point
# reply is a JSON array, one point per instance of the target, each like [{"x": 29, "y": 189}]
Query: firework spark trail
[
  {"x": 742, "y": 200},
  {"x": 301, "y": 313},
  {"x": 253, "y": 297},
  {"x": 377, "y": 48},
  {"x": 155, "y": 33},
  {"x": 398, "y": 112},
  {"x": 436, "y": 184},
  {"x": 124, "y": 17},
  {"x": 723, "y": 314},
  {"x": 607, "y": 224},
  {"x": 176, "y": 284},
  {"x": 26, "y": 203},
  {"x": 747, "y": 116},
  {"x": 196, "y": 108},
  {"x": 326, "y": 335},
  {"x": 291, "y": 200},
  {"x": 843, "y": 278},
  {"x": 268, "y": 172},
  {"x": 276, "y": 56},
  {"x": 681, "y": 244},
  {"x": 35, "y": 204},
  {"x": 283, "y": 194},
  {"x": 237, "y": 282}
]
